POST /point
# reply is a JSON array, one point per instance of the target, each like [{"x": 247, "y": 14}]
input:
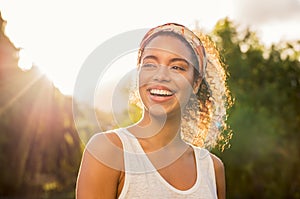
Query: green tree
[
  {"x": 40, "y": 149},
  {"x": 263, "y": 161}
]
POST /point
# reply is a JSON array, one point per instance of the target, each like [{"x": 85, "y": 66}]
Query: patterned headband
[{"x": 187, "y": 34}]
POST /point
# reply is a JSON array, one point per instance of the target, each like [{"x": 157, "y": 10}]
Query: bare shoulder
[
  {"x": 107, "y": 149},
  {"x": 101, "y": 167},
  {"x": 101, "y": 140},
  {"x": 218, "y": 164},
  {"x": 219, "y": 176}
]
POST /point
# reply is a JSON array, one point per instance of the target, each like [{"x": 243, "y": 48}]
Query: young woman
[{"x": 181, "y": 84}]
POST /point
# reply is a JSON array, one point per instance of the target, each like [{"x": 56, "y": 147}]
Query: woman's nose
[{"x": 162, "y": 74}]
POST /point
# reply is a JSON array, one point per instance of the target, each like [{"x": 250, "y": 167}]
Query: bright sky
[{"x": 58, "y": 35}]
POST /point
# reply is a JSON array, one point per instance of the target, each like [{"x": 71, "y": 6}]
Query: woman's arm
[
  {"x": 96, "y": 178},
  {"x": 220, "y": 177}
]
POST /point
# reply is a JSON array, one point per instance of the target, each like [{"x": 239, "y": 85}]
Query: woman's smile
[{"x": 159, "y": 93}]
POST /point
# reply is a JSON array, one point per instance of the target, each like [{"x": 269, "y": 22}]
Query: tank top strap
[
  {"x": 129, "y": 141},
  {"x": 135, "y": 159},
  {"x": 206, "y": 166}
]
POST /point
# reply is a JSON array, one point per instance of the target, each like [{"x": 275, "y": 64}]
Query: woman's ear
[{"x": 196, "y": 85}]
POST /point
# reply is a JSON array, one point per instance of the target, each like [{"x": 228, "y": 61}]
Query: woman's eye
[
  {"x": 178, "y": 68},
  {"x": 149, "y": 65}
]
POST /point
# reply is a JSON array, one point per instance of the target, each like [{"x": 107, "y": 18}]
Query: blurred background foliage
[
  {"x": 263, "y": 160},
  {"x": 40, "y": 149}
]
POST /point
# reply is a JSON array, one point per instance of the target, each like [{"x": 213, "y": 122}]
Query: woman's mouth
[{"x": 160, "y": 94}]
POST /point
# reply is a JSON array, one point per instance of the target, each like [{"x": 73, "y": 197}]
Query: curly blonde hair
[{"x": 204, "y": 121}]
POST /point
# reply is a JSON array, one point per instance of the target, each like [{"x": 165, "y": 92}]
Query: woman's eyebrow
[
  {"x": 176, "y": 59},
  {"x": 150, "y": 57},
  {"x": 180, "y": 59}
]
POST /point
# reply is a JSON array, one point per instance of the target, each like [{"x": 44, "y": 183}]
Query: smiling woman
[{"x": 163, "y": 155}]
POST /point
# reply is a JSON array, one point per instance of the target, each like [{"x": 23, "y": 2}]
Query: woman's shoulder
[
  {"x": 218, "y": 163},
  {"x": 101, "y": 167},
  {"x": 219, "y": 171},
  {"x": 107, "y": 148},
  {"x": 105, "y": 139}
]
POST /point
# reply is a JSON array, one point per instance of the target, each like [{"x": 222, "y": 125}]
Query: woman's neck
[{"x": 157, "y": 131}]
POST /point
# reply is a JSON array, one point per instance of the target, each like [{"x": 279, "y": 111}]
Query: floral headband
[{"x": 187, "y": 34}]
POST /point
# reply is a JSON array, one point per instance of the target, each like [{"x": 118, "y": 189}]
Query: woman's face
[{"x": 166, "y": 75}]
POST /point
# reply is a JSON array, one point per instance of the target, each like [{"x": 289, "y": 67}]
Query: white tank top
[{"x": 140, "y": 183}]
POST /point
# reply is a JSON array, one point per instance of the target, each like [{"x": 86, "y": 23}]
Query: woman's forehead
[{"x": 168, "y": 45}]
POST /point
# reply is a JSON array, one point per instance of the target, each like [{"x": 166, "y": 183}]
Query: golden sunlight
[{"x": 25, "y": 61}]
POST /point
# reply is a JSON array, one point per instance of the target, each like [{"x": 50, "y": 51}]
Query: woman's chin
[
  {"x": 162, "y": 113},
  {"x": 157, "y": 111}
]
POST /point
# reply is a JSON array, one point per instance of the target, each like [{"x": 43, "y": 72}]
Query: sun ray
[{"x": 20, "y": 93}]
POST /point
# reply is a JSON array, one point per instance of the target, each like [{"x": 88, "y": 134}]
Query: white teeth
[{"x": 160, "y": 92}]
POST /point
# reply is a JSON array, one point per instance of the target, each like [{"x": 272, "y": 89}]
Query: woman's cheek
[{"x": 144, "y": 78}]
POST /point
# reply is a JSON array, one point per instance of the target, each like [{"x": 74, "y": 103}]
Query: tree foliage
[
  {"x": 39, "y": 148},
  {"x": 264, "y": 160}
]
